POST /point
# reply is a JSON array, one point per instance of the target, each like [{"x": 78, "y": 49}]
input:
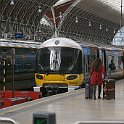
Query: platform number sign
[{"x": 44, "y": 118}]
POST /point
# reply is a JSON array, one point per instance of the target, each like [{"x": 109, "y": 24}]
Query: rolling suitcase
[
  {"x": 109, "y": 89},
  {"x": 88, "y": 89}
]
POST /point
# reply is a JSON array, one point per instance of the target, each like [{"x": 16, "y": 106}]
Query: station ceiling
[{"x": 88, "y": 20}]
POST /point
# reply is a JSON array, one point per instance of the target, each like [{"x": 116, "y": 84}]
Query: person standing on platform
[
  {"x": 112, "y": 66},
  {"x": 96, "y": 77}
]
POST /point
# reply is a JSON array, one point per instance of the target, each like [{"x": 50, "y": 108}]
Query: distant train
[
  {"x": 63, "y": 64},
  {"x": 24, "y": 64}
]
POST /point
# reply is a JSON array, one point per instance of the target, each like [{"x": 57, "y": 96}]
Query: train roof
[
  {"x": 60, "y": 41},
  {"x": 101, "y": 46},
  {"x": 110, "y": 47},
  {"x": 19, "y": 43},
  {"x": 86, "y": 44}
]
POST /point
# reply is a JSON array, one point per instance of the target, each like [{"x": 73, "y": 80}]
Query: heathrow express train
[
  {"x": 63, "y": 64},
  {"x": 24, "y": 64}
]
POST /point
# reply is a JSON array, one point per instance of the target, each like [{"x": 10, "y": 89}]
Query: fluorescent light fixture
[
  {"x": 39, "y": 10},
  {"x": 89, "y": 23},
  {"x": 12, "y": 2},
  {"x": 76, "y": 19}
]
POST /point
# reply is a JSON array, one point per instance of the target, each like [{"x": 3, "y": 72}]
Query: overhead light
[
  {"x": 114, "y": 31},
  {"x": 106, "y": 29},
  {"x": 76, "y": 19},
  {"x": 39, "y": 10},
  {"x": 89, "y": 23},
  {"x": 100, "y": 27},
  {"x": 16, "y": 19},
  {"x": 12, "y": 2},
  {"x": 60, "y": 15}
]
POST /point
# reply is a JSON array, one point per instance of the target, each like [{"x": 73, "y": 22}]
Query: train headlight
[
  {"x": 39, "y": 76},
  {"x": 71, "y": 77}
]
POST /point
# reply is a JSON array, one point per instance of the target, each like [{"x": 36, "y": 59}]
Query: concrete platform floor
[{"x": 71, "y": 107}]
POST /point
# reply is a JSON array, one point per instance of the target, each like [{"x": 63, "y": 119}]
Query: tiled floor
[{"x": 72, "y": 107}]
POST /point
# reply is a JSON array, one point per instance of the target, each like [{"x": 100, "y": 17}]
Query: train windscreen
[{"x": 60, "y": 60}]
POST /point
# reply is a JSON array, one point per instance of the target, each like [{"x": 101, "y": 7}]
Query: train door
[
  {"x": 122, "y": 59},
  {"x": 118, "y": 63},
  {"x": 1, "y": 62},
  {"x": 90, "y": 53},
  {"x": 86, "y": 57},
  {"x": 5, "y": 68},
  {"x": 93, "y": 55},
  {"x": 102, "y": 56}
]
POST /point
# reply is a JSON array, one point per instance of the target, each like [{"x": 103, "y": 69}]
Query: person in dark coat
[
  {"x": 96, "y": 76},
  {"x": 112, "y": 66}
]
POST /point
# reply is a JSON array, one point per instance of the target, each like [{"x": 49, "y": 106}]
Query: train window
[
  {"x": 19, "y": 35},
  {"x": 60, "y": 59},
  {"x": 122, "y": 59}
]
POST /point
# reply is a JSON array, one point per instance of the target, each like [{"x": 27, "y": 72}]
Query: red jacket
[{"x": 96, "y": 77}]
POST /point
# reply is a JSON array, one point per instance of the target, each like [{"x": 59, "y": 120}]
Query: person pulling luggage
[{"x": 96, "y": 77}]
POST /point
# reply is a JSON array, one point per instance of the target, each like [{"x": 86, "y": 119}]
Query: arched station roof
[
  {"x": 97, "y": 21},
  {"x": 22, "y": 15},
  {"x": 24, "y": 11},
  {"x": 90, "y": 20}
]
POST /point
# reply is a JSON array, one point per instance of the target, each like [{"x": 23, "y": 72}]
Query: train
[
  {"x": 63, "y": 64},
  {"x": 17, "y": 64}
]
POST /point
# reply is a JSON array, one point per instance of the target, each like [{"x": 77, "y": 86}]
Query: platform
[{"x": 71, "y": 107}]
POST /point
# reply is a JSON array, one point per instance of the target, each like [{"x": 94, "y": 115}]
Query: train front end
[{"x": 59, "y": 66}]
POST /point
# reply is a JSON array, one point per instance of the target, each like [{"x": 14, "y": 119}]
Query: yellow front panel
[
  {"x": 54, "y": 77},
  {"x": 57, "y": 78}
]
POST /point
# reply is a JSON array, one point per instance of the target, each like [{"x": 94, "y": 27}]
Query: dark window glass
[{"x": 60, "y": 60}]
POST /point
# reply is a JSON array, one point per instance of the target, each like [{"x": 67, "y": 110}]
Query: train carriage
[
  {"x": 64, "y": 64},
  {"x": 24, "y": 64}
]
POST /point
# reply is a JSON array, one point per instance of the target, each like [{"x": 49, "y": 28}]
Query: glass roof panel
[
  {"x": 115, "y": 4},
  {"x": 44, "y": 21},
  {"x": 61, "y": 2},
  {"x": 119, "y": 38}
]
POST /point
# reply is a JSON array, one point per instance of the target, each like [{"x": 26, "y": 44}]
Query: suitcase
[
  {"x": 88, "y": 90},
  {"x": 109, "y": 89}
]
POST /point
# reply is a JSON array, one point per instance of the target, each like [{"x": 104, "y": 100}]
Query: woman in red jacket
[{"x": 96, "y": 76}]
